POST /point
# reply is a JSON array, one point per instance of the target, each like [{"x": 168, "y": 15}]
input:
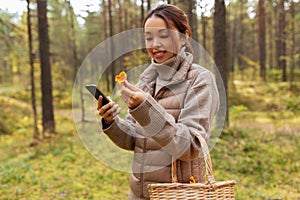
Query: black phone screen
[{"x": 92, "y": 88}]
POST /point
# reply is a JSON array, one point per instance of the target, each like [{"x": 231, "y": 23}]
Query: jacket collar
[{"x": 183, "y": 61}]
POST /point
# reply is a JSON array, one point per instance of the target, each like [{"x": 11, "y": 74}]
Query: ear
[{"x": 184, "y": 37}]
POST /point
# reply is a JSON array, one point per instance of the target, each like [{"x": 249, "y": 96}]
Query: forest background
[{"x": 254, "y": 43}]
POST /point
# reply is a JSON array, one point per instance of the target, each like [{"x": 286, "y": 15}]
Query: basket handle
[{"x": 207, "y": 160}]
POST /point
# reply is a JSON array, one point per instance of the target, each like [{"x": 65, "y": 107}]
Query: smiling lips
[{"x": 159, "y": 54}]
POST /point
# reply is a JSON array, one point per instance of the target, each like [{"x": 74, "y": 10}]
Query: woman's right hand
[
  {"x": 109, "y": 111},
  {"x": 132, "y": 95}
]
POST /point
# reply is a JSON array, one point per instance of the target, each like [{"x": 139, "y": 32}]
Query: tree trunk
[
  {"x": 126, "y": 10},
  {"x": 36, "y": 135},
  {"x": 46, "y": 79},
  {"x": 241, "y": 36},
  {"x": 193, "y": 18},
  {"x": 277, "y": 36},
  {"x": 282, "y": 42},
  {"x": 220, "y": 45},
  {"x": 73, "y": 39},
  {"x": 110, "y": 18},
  {"x": 75, "y": 59},
  {"x": 120, "y": 17},
  {"x": 234, "y": 46},
  {"x": 262, "y": 39},
  {"x": 148, "y": 5},
  {"x": 204, "y": 23},
  {"x": 293, "y": 52},
  {"x": 142, "y": 11},
  {"x": 104, "y": 17},
  {"x": 270, "y": 16}
]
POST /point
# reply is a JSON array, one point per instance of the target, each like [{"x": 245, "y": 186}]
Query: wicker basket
[{"x": 186, "y": 191}]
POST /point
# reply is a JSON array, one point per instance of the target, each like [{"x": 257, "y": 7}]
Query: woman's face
[{"x": 159, "y": 42}]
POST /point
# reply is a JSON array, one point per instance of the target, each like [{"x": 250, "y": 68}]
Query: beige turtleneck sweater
[{"x": 166, "y": 70}]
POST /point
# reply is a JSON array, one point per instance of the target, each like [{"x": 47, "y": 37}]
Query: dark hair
[{"x": 174, "y": 17}]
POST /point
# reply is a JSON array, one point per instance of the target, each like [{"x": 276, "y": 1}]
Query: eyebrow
[{"x": 160, "y": 30}]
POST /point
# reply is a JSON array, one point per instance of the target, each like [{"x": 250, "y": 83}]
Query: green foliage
[
  {"x": 274, "y": 75},
  {"x": 264, "y": 164},
  {"x": 9, "y": 124},
  {"x": 63, "y": 98},
  {"x": 60, "y": 168},
  {"x": 293, "y": 104},
  {"x": 237, "y": 111},
  {"x": 20, "y": 93},
  {"x": 264, "y": 96},
  {"x": 62, "y": 94},
  {"x": 259, "y": 150}
]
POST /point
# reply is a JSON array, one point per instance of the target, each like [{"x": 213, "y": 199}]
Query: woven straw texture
[{"x": 185, "y": 191}]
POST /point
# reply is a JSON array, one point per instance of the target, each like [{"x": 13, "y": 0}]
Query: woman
[{"x": 173, "y": 97}]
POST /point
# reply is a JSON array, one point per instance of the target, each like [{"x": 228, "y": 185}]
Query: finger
[
  {"x": 125, "y": 91},
  {"x": 108, "y": 118},
  {"x": 107, "y": 114},
  {"x": 129, "y": 85},
  {"x": 122, "y": 84},
  {"x": 109, "y": 110},
  {"x": 116, "y": 112},
  {"x": 105, "y": 108},
  {"x": 99, "y": 102},
  {"x": 114, "y": 107}
]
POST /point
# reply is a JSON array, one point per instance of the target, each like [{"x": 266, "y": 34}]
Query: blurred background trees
[
  {"x": 255, "y": 44},
  {"x": 258, "y": 39}
]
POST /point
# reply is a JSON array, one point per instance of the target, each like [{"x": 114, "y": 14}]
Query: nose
[{"x": 156, "y": 42}]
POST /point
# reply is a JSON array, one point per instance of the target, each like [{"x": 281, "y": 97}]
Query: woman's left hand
[{"x": 131, "y": 95}]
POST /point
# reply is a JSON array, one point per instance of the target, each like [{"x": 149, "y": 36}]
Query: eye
[
  {"x": 164, "y": 36},
  {"x": 148, "y": 39}
]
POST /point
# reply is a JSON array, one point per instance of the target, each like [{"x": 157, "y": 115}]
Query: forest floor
[{"x": 260, "y": 150}]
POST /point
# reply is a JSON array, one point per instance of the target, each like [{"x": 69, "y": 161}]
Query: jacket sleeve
[
  {"x": 122, "y": 132},
  {"x": 199, "y": 106}
]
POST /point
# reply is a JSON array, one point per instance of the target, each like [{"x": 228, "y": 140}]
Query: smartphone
[{"x": 92, "y": 88}]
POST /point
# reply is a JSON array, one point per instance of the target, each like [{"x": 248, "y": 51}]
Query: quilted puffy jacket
[{"x": 159, "y": 128}]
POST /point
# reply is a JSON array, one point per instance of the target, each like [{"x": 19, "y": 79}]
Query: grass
[
  {"x": 263, "y": 140},
  {"x": 59, "y": 168},
  {"x": 265, "y": 165},
  {"x": 260, "y": 150}
]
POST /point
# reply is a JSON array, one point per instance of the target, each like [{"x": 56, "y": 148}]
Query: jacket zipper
[{"x": 142, "y": 169}]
